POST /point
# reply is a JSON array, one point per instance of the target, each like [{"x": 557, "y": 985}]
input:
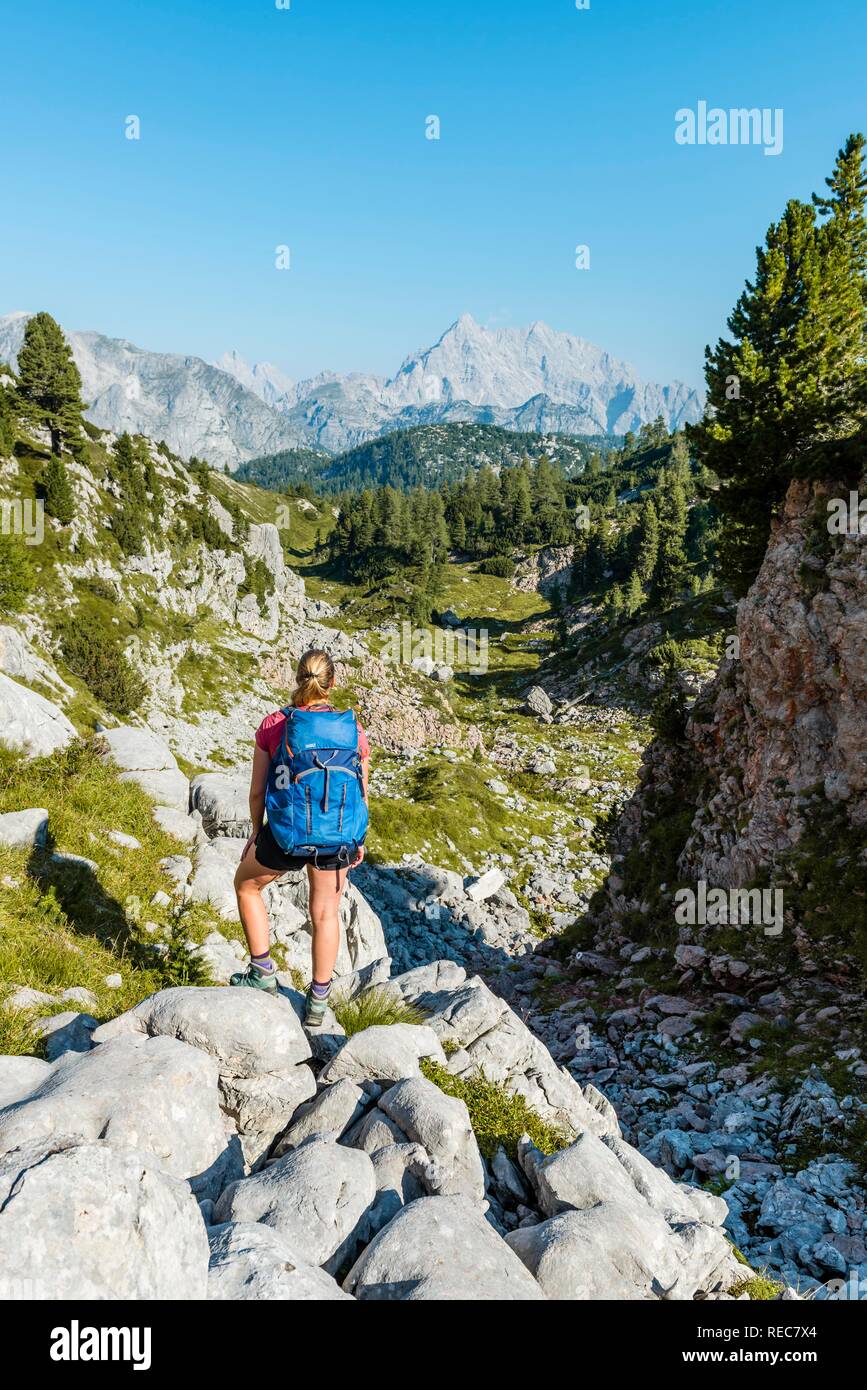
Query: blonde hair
[{"x": 314, "y": 678}]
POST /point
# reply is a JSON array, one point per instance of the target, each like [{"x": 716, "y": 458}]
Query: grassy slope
[{"x": 72, "y": 926}]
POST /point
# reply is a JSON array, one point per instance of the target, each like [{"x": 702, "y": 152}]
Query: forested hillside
[{"x": 426, "y": 456}]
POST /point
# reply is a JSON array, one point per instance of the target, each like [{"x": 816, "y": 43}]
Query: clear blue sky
[{"x": 306, "y": 127}]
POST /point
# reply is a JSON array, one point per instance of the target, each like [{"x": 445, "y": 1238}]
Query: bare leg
[
  {"x": 326, "y": 890},
  {"x": 250, "y": 879}
]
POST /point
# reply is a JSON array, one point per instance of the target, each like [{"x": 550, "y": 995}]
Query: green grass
[
  {"x": 760, "y": 1287},
  {"x": 497, "y": 1117},
  {"x": 441, "y": 804},
  {"x": 65, "y": 926},
  {"x": 373, "y": 1008}
]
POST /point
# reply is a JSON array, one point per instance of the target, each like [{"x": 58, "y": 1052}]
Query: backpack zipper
[{"x": 342, "y": 806}]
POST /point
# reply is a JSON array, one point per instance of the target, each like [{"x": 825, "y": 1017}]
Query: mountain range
[{"x": 534, "y": 379}]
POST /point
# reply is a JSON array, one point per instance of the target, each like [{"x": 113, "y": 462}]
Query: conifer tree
[
  {"x": 670, "y": 574},
  {"x": 614, "y": 604},
  {"x": 7, "y": 420},
  {"x": 648, "y": 546},
  {"x": 790, "y": 386},
  {"x": 49, "y": 384},
  {"x": 634, "y": 596},
  {"x": 16, "y": 572},
  {"x": 57, "y": 491}
]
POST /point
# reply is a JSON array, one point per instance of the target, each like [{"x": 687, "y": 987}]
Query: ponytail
[{"x": 313, "y": 678}]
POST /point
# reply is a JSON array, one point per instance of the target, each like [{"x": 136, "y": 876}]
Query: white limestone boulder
[
  {"x": 315, "y": 1196},
  {"x": 24, "y": 829},
  {"x": 252, "y": 1261},
  {"x": 153, "y": 1094},
  {"x": 19, "y": 1078},
  {"x": 146, "y": 759},
  {"x": 97, "y": 1222},
  {"x": 385, "y": 1052},
  {"x": 441, "y": 1248},
  {"x": 29, "y": 723}
]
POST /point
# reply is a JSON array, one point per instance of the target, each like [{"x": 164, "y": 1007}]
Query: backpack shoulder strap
[{"x": 289, "y": 715}]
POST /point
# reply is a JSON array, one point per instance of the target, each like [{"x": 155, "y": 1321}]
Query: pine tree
[
  {"x": 152, "y": 482},
  {"x": 648, "y": 546},
  {"x": 57, "y": 491},
  {"x": 522, "y": 506},
  {"x": 792, "y": 382},
  {"x": 16, "y": 572},
  {"x": 614, "y": 605},
  {"x": 49, "y": 384},
  {"x": 7, "y": 420},
  {"x": 634, "y": 597},
  {"x": 670, "y": 574}
]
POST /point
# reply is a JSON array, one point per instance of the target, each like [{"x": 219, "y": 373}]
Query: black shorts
[{"x": 271, "y": 856}]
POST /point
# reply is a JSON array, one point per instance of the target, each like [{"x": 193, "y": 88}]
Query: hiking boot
[
  {"x": 314, "y": 1010},
  {"x": 256, "y": 979}
]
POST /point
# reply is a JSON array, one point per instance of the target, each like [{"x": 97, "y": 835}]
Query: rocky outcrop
[
  {"x": 301, "y": 1170},
  {"x": 18, "y": 658},
  {"x": 545, "y": 571},
  {"x": 786, "y": 717},
  {"x": 723, "y": 1072}
]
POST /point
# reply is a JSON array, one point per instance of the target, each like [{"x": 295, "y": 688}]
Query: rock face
[
  {"x": 249, "y": 1035},
  {"x": 441, "y": 1124},
  {"x": 68, "y": 1215},
  {"x": 787, "y": 715},
  {"x": 20, "y": 1077},
  {"x": 384, "y": 1053},
  {"x": 29, "y": 722},
  {"x": 619, "y": 1228},
  {"x": 18, "y": 659},
  {"x": 223, "y": 803}
]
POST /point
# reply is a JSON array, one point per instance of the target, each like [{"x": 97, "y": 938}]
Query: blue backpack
[{"x": 314, "y": 798}]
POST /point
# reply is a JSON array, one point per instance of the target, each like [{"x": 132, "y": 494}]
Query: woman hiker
[{"x": 310, "y": 775}]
